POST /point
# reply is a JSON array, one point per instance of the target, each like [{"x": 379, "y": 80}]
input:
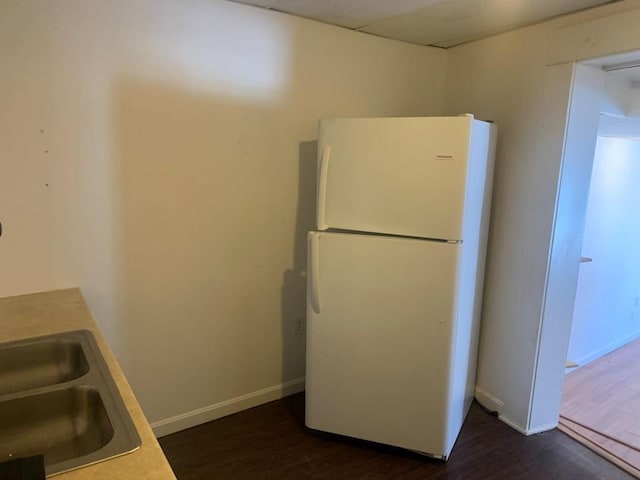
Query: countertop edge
[{"x": 44, "y": 313}]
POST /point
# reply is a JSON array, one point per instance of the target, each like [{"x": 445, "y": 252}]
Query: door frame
[{"x": 567, "y": 46}]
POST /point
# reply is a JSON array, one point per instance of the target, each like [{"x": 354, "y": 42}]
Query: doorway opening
[{"x": 602, "y": 387}]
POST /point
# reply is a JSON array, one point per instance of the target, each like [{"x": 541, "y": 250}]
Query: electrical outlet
[{"x": 300, "y": 324}]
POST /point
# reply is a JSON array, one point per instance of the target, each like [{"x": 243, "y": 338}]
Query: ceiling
[
  {"x": 439, "y": 23},
  {"x": 445, "y": 23}
]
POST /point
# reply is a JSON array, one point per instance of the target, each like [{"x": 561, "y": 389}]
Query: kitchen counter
[{"x": 45, "y": 313}]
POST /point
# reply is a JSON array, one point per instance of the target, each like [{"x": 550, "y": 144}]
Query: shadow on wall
[
  {"x": 294, "y": 287},
  {"x": 203, "y": 191}
]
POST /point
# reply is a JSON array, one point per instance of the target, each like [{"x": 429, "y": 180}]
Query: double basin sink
[{"x": 58, "y": 399}]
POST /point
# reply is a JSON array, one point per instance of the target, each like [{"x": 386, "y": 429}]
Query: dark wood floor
[{"x": 271, "y": 442}]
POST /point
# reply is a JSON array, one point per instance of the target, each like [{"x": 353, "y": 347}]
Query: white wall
[
  {"x": 607, "y": 304},
  {"x": 161, "y": 156},
  {"x": 618, "y": 95},
  {"x": 503, "y": 78},
  {"x": 634, "y": 104}
]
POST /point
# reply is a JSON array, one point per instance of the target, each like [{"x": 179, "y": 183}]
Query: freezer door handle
[
  {"x": 322, "y": 186},
  {"x": 314, "y": 267}
]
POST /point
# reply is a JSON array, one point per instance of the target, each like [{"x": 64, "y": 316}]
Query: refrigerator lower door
[{"x": 380, "y": 322}]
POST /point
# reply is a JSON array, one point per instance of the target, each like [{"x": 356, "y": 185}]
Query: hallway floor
[{"x": 601, "y": 406}]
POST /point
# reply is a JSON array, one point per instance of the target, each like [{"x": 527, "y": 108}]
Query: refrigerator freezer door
[
  {"x": 380, "y": 319},
  {"x": 403, "y": 176}
]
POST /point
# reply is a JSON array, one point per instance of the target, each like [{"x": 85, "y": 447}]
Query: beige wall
[
  {"x": 506, "y": 78},
  {"x": 502, "y": 79},
  {"x": 161, "y": 156}
]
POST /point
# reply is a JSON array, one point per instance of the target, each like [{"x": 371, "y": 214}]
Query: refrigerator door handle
[
  {"x": 314, "y": 267},
  {"x": 322, "y": 185}
]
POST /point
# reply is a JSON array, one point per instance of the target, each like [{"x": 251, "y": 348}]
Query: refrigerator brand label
[{"x": 444, "y": 156}]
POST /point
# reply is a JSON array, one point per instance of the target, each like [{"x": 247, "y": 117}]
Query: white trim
[
  {"x": 488, "y": 401},
  {"x": 494, "y": 404},
  {"x": 525, "y": 431},
  {"x": 226, "y": 407},
  {"x": 514, "y": 425},
  {"x": 555, "y": 81},
  {"x": 541, "y": 428}
]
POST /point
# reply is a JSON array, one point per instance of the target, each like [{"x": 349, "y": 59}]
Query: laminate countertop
[{"x": 45, "y": 313}]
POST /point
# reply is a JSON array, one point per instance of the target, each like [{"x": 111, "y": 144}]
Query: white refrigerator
[{"x": 394, "y": 278}]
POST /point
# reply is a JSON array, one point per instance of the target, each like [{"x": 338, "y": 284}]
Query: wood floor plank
[
  {"x": 600, "y": 406},
  {"x": 271, "y": 442},
  {"x": 607, "y": 448}
]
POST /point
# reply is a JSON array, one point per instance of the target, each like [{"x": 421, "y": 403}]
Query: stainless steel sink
[
  {"x": 57, "y": 398},
  {"x": 40, "y": 362}
]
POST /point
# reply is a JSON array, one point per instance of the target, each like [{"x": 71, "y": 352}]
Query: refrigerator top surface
[{"x": 431, "y": 118}]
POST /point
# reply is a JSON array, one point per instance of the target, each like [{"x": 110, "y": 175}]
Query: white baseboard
[
  {"x": 514, "y": 425},
  {"x": 541, "y": 428},
  {"x": 527, "y": 431},
  {"x": 496, "y": 405},
  {"x": 488, "y": 401},
  {"x": 227, "y": 407},
  {"x": 608, "y": 348}
]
